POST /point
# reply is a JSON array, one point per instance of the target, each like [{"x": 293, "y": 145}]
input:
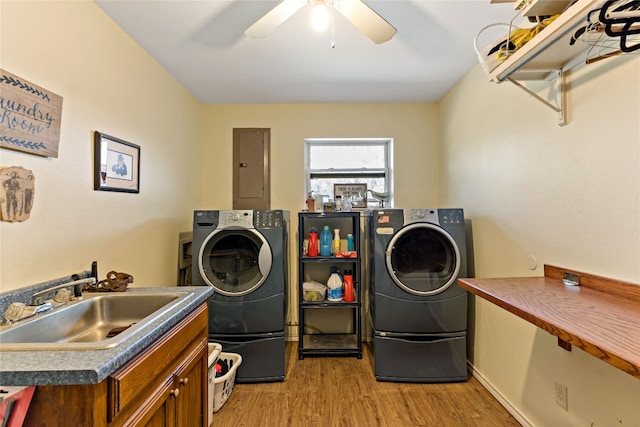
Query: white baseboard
[{"x": 500, "y": 398}]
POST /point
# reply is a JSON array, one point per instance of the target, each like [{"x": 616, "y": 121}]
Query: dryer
[
  {"x": 243, "y": 255},
  {"x": 418, "y": 312}
]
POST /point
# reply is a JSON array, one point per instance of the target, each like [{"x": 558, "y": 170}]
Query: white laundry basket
[
  {"x": 214, "y": 352},
  {"x": 220, "y": 388}
]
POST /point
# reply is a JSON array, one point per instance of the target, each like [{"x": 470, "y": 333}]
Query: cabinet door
[
  {"x": 164, "y": 414},
  {"x": 158, "y": 410},
  {"x": 161, "y": 417},
  {"x": 192, "y": 385},
  {"x": 182, "y": 401}
]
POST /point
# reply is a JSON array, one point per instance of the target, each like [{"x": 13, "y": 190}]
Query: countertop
[{"x": 22, "y": 368}]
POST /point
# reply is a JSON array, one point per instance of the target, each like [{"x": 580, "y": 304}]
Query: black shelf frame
[{"x": 349, "y": 344}]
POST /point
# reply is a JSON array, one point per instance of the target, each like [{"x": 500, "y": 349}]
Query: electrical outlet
[{"x": 561, "y": 396}]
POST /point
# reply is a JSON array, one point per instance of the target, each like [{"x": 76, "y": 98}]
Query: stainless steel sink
[{"x": 84, "y": 324}]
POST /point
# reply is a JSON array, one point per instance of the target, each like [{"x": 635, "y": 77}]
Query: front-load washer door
[
  {"x": 235, "y": 261},
  {"x": 423, "y": 259}
]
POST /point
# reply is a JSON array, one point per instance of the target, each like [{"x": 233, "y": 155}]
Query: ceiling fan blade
[
  {"x": 366, "y": 20},
  {"x": 276, "y": 16}
]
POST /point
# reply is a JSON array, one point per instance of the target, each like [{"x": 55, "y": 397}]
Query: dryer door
[
  {"x": 423, "y": 259},
  {"x": 235, "y": 261}
]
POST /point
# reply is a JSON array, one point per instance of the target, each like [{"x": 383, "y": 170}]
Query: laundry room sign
[{"x": 29, "y": 116}]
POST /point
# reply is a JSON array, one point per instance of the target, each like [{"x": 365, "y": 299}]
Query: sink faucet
[{"x": 39, "y": 297}]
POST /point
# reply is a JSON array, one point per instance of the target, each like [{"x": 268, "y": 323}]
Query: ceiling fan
[{"x": 362, "y": 16}]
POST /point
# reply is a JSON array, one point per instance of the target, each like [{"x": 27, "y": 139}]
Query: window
[{"x": 345, "y": 161}]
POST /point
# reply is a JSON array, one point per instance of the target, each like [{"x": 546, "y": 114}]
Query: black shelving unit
[{"x": 318, "y": 269}]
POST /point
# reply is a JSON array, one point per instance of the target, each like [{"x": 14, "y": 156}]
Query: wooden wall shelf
[
  {"x": 549, "y": 53},
  {"x": 549, "y": 50},
  {"x": 601, "y": 316}
]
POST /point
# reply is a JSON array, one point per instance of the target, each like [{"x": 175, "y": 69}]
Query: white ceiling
[{"x": 202, "y": 44}]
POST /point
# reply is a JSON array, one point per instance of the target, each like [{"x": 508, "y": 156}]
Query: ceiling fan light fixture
[
  {"x": 361, "y": 16},
  {"x": 320, "y": 17}
]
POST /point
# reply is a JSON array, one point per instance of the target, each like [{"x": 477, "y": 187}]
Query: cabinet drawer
[{"x": 157, "y": 364}]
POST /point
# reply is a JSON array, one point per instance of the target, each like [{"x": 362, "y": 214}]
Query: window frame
[{"x": 386, "y": 172}]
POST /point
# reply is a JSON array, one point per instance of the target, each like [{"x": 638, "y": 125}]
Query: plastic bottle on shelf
[
  {"x": 318, "y": 203},
  {"x": 350, "y": 245},
  {"x": 348, "y": 291},
  {"x": 325, "y": 241},
  {"x": 313, "y": 243},
  {"x": 334, "y": 286},
  {"x": 335, "y": 245},
  {"x": 311, "y": 203}
]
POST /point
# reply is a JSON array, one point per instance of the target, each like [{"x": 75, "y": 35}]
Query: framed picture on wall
[
  {"x": 116, "y": 164},
  {"x": 354, "y": 193}
]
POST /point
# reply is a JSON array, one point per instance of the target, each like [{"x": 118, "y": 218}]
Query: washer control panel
[
  {"x": 449, "y": 217},
  {"x": 268, "y": 219},
  {"x": 236, "y": 218},
  {"x": 420, "y": 215},
  {"x": 442, "y": 217}
]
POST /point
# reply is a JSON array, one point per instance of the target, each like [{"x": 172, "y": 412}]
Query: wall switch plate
[{"x": 561, "y": 396}]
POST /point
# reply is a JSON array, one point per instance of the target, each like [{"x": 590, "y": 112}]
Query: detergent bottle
[
  {"x": 334, "y": 286},
  {"x": 313, "y": 243},
  {"x": 325, "y": 241},
  {"x": 348, "y": 292},
  {"x": 350, "y": 244}
]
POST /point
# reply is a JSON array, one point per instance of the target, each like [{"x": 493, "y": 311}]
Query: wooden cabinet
[
  {"x": 178, "y": 400},
  {"x": 165, "y": 385},
  {"x": 191, "y": 384},
  {"x": 313, "y": 342}
]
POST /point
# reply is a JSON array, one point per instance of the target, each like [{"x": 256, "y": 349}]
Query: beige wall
[
  {"x": 568, "y": 196},
  {"x": 413, "y": 127},
  {"x": 109, "y": 84}
]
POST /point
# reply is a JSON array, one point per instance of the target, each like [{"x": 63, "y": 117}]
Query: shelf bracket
[{"x": 561, "y": 107}]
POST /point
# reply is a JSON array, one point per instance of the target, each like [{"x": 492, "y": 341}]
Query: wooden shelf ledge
[
  {"x": 601, "y": 316},
  {"x": 549, "y": 50}
]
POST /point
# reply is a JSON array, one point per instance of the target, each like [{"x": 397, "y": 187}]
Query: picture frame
[
  {"x": 116, "y": 164},
  {"x": 355, "y": 193}
]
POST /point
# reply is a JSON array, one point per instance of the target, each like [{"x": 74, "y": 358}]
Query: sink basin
[{"x": 84, "y": 324}]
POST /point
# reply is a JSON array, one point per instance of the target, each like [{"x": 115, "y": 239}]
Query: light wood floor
[{"x": 343, "y": 391}]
